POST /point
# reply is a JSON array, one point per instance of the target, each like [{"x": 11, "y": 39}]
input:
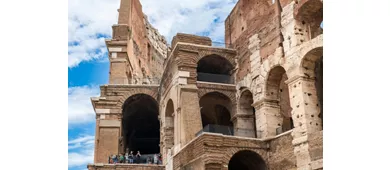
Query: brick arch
[
  {"x": 242, "y": 90},
  {"x": 151, "y": 92},
  {"x": 308, "y": 10},
  {"x": 230, "y": 152},
  {"x": 267, "y": 77},
  {"x": 205, "y": 53},
  {"x": 307, "y": 62},
  {"x": 230, "y": 95}
]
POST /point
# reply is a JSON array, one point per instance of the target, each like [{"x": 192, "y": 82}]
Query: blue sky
[{"x": 89, "y": 24}]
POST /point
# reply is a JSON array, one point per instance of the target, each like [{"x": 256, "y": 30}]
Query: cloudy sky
[{"x": 89, "y": 23}]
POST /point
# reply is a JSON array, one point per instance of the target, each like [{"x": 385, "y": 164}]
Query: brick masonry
[{"x": 274, "y": 49}]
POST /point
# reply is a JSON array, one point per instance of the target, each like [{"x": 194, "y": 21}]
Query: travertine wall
[
  {"x": 275, "y": 49},
  {"x": 250, "y": 17},
  {"x": 143, "y": 50}
]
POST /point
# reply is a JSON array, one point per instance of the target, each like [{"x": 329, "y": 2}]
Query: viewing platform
[{"x": 125, "y": 167}]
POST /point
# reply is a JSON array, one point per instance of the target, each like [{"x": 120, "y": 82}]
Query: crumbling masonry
[{"x": 255, "y": 104}]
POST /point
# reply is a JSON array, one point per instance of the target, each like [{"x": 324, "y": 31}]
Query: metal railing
[
  {"x": 216, "y": 78},
  {"x": 225, "y": 130},
  {"x": 230, "y": 131}
]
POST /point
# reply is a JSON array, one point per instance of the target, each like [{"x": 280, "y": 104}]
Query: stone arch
[
  {"x": 205, "y": 53},
  {"x": 169, "y": 127},
  {"x": 215, "y": 109},
  {"x": 277, "y": 90},
  {"x": 143, "y": 90},
  {"x": 245, "y": 123},
  {"x": 140, "y": 124},
  {"x": 311, "y": 67},
  {"x": 234, "y": 151},
  {"x": 230, "y": 95},
  {"x": 310, "y": 14},
  {"x": 215, "y": 68}
]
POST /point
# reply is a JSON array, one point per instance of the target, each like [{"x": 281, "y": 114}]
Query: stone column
[
  {"x": 268, "y": 117},
  {"x": 294, "y": 32},
  {"x": 244, "y": 125},
  {"x": 108, "y": 139},
  {"x": 305, "y": 114},
  {"x": 190, "y": 113}
]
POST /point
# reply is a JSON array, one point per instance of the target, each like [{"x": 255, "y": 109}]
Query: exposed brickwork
[
  {"x": 193, "y": 39},
  {"x": 276, "y": 52},
  {"x": 282, "y": 153}
]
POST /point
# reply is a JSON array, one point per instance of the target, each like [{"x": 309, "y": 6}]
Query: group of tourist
[{"x": 130, "y": 158}]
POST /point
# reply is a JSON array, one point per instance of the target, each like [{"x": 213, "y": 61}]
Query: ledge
[{"x": 128, "y": 166}]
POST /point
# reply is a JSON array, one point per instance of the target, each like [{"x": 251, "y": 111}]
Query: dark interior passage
[
  {"x": 141, "y": 127},
  {"x": 214, "y": 68},
  {"x": 215, "y": 109},
  {"x": 246, "y": 160}
]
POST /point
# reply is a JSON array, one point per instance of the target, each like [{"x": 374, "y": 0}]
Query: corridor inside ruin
[
  {"x": 247, "y": 160},
  {"x": 312, "y": 64},
  {"x": 140, "y": 125},
  {"x": 277, "y": 90},
  {"x": 246, "y": 108},
  {"x": 214, "y": 68},
  {"x": 215, "y": 111}
]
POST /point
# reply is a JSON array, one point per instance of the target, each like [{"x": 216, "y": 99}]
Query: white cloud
[
  {"x": 84, "y": 155},
  {"x": 80, "y": 108},
  {"x": 89, "y": 18},
  {"x": 189, "y": 16}
]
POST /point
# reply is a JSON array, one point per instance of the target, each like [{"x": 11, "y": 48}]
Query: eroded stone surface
[{"x": 273, "y": 89}]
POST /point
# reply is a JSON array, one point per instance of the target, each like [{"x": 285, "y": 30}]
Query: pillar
[
  {"x": 107, "y": 138},
  {"x": 190, "y": 113},
  {"x": 268, "y": 117},
  {"x": 244, "y": 125},
  {"x": 305, "y": 114}
]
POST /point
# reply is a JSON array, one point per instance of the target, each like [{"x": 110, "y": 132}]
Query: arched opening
[
  {"x": 310, "y": 13},
  {"x": 277, "y": 90},
  {"x": 312, "y": 67},
  {"x": 214, "y": 68},
  {"x": 246, "y": 127},
  {"x": 247, "y": 160},
  {"x": 169, "y": 123},
  {"x": 215, "y": 109},
  {"x": 140, "y": 125}
]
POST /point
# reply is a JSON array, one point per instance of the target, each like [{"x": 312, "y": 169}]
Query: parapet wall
[
  {"x": 250, "y": 17},
  {"x": 124, "y": 167},
  {"x": 193, "y": 39}
]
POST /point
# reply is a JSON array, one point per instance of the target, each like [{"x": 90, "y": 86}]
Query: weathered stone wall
[
  {"x": 216, "y": 150},
  {"x": 188, "y": 38},
  {"x": 281, "y": 153},
  {"x": 157, "y": 50},
  {"x": 125, "y": 167},
  {"x": 250, "y": 17},
  {"x": 145, "y": 49}
]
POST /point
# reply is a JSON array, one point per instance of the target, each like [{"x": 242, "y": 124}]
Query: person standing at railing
[
  {"x": 114, "y": 159},
  {"x": 159, "y": 158},
  {"x": 138, "y": 157},
  {"x": 131, "y": 157},
  {"x": 155, "y": 159},
  {"x": 121, "y": 159}
]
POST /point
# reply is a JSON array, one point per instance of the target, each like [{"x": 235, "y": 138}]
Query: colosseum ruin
[{"x": 253, "y": 104}]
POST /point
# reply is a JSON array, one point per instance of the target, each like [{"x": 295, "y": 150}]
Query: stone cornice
[
  {"x": 265, "y": 101},
  {"x": 296, "y": 78}
]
